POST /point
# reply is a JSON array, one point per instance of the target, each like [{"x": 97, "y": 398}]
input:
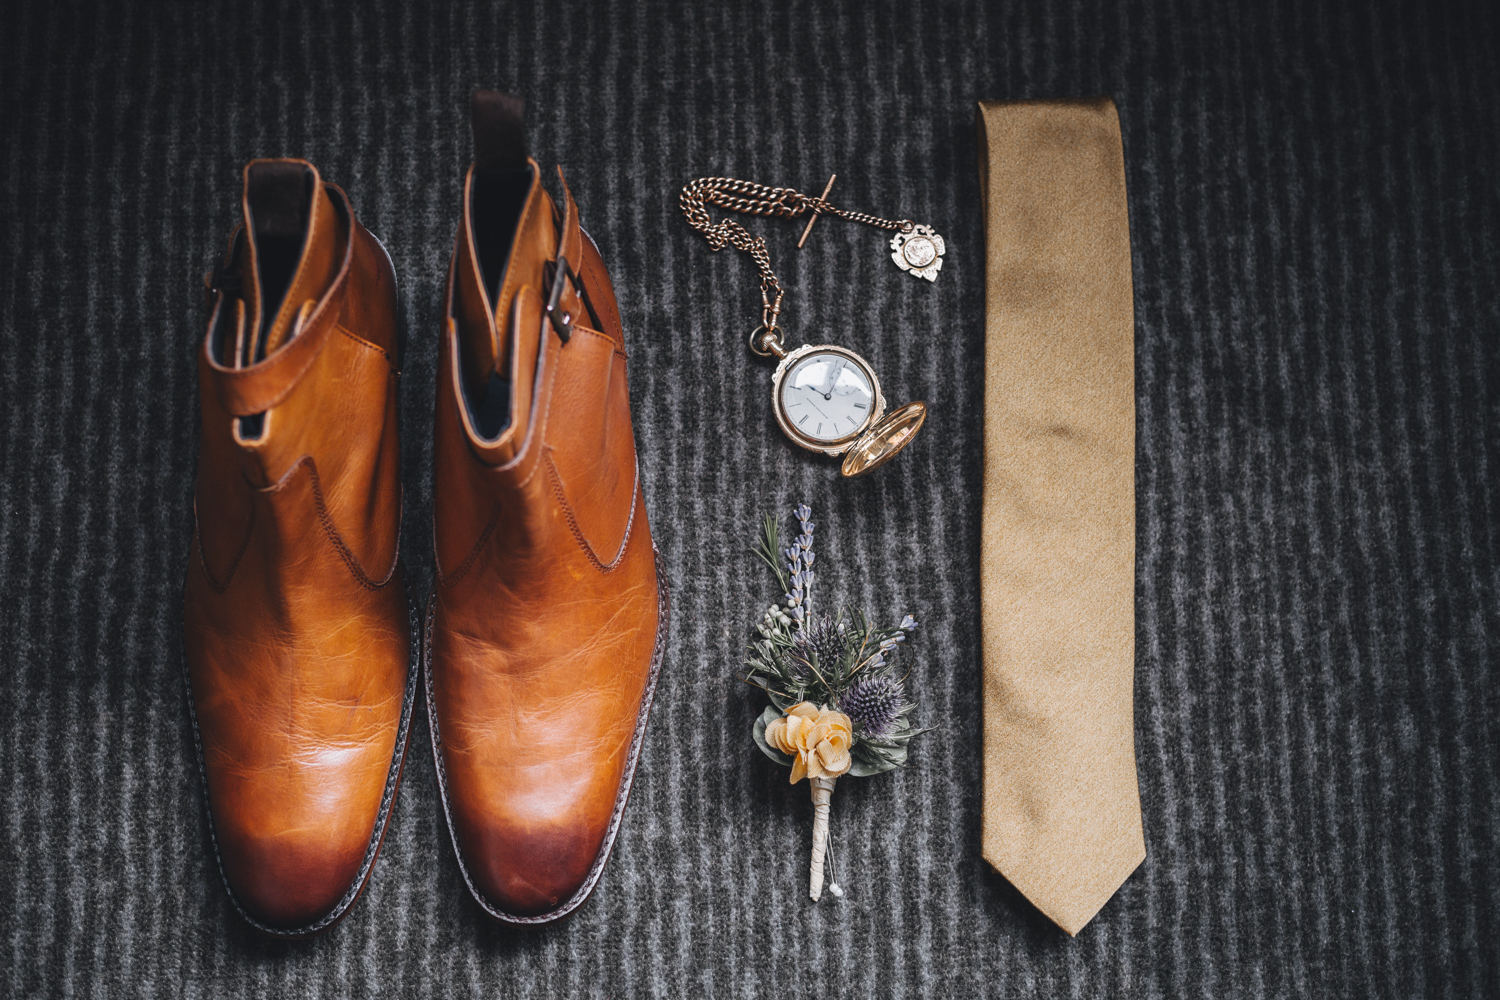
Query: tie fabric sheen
[{"x": 1062, "y": 816}]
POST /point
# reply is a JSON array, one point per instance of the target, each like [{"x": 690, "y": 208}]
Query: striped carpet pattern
[{"x": 1314, "y": 224}]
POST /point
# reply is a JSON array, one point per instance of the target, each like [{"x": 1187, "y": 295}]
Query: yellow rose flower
[{"x": 817, "y": 739}]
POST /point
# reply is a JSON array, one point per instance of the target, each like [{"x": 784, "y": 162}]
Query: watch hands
[
  {"x": 815, "y": 389},
  {"x": 833, "y": 374},
  {"x": 815, "y": 406}
]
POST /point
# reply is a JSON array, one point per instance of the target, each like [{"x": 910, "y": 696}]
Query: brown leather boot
[
  {"x": 548, "y": 619},
  {"x": 297, "y": 631}
]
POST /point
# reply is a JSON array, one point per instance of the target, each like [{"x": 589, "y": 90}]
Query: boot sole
[
  {"x": 382, "y": 822},
  {"x": 581, "y": 895}
]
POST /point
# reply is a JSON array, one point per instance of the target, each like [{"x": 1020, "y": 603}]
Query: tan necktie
[{"x": 1062, "y": 814}]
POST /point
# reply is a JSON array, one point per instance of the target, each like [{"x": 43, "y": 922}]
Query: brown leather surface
[
  {"x": 321, "y": 255},
  {"x": 545, "y": 611},
  {"x": 295, "y": 618},
  {"x": 486, "y": 346}
]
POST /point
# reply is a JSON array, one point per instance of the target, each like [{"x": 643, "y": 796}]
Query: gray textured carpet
[{"x": 1315, "y": 219}]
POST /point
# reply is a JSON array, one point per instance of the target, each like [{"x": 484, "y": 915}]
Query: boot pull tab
[
  {"x": 499, "y": 121},
  {"x": 570, "y": 240}
]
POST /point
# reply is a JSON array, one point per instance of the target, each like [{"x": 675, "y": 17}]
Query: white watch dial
[{"x": 827, "y": 397}]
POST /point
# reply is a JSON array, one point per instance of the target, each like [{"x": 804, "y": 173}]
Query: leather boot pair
[{"x": 547, "y": 621}]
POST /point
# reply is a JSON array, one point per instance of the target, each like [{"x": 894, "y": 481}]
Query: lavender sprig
[
  {"x": 799, "y": 563},
  {"x": 903, "y": 632}
]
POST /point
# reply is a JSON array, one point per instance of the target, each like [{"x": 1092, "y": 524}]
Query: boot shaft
[
  {"x": 532, "y": 408},
  {"x": 297, "y": 376}
]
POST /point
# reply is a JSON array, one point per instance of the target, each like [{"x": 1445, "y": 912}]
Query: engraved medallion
[{"x": 919, "y": 252}]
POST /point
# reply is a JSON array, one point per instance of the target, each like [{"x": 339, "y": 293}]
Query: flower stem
[{"x": 822, "y": 794}]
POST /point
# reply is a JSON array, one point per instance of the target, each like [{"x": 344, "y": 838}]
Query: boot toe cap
[
  {"x": 530, "y": 871},
  {"x": 292, "y": 850},
  {"x": 288, "y": 881},
  {"x": 530, "y": 853}
]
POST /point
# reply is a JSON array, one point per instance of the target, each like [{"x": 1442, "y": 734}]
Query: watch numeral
[
  {"x": 804, "y": 419},
  {"x": 860, "y": 406}
]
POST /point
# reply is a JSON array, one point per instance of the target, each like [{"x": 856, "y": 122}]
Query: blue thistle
[
  {"x": 821, "y": 641},
  {"x": 873, "y": 703}
]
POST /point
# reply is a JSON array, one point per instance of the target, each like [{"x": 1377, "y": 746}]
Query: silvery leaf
[
  {"x": 860, "y": 769},
  {"x": 758, "y": 731}
]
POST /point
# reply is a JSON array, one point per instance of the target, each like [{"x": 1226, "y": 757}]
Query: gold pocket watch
[{"x": 826, "y": 398}]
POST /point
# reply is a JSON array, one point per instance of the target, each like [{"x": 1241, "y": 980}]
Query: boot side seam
[
  {"x": 362, "y": 342},
  {"x": 331, "y": 531},
  {"x": 468, "y": 563},
  {"x": 567, "y": 508},
  {"x": 234, "y": 563}
]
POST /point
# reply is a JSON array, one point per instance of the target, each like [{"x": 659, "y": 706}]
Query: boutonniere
[{"x": 838, "y": 700}]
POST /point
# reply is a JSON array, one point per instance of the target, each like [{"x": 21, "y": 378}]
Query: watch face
[{"x": 827, "y": 396}]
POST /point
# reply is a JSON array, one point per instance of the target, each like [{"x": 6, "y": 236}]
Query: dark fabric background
[{"x": 1314, "y": 209}]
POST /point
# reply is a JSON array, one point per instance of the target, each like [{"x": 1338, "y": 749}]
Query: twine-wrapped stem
[{"x": 822, "y": 795}]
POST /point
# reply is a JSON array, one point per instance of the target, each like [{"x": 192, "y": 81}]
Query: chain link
[{"x": 750, "y": 198}]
